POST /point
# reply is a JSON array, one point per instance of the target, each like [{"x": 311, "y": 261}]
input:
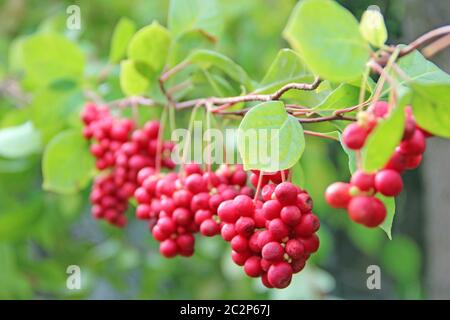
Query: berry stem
[
  {"x": 258, "y": 186},
  {"x": 158, "y": 157}
]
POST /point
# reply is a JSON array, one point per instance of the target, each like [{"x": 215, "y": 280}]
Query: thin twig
[
  {"x": 318, "y": 134},
  {"x": 423, "y": 39}
]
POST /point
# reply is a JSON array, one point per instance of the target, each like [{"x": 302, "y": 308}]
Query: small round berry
[
  {"x": 267, "y": 191},
  {"x": 311, "y": 244},
  {"x": 166, "y": 225},
  {"x": 294, "y": 248},
  {"x": 239, "y": 178},
  {"x": 260, "y": 220},
  {"x": 239, "y": 258},
  {"x": 182, "y": 216},
  {"x": 412, "y": 162},
  {"x": 168, "y": 248},
  {"x": 264, "y": 237},
  {"x": 265, "y": 281},
  {"x": 354, "y": 136},
  {"x": 209, "y": 228},
  {"x": 337, "y": 194},
  {"x": 397, "y": 162},
  {"x": 280, "y": 275},
  {"x": 202, "y": 215},
  {"x": 200, "y": 201},
  {"x": 363, "y": 180},
  {"x": 227, "y": 212},
  {"x": 253, "y": 242},
  {"x": 290, "y": 215},
  {"x": 185, "y": 242},
  {"x": 278, "y": 229},
  {"x": 298, "y": 264},
  {"x": 388, "y": 182},
  {"x": 304, "y": 202},
  {"x": 271, "y": 209},
  {"x": 309, "y": 223},
  {"x": 380, "y": 109},
  {"x": 244, "y": 205},
  {"x": 245, "y": 226},
  {"x": 228, "y": 231},
  {"x": 286, "y": 193},
  {"x": 182, "y": 198},
  {"x": 252, "y": 267},
  {"x": 273, "y": 251},
  {"x": 239, "y": 243},
  {"x": 369, "y": 211},
  {"x": 195, "y": 183},
  {"x": 415, "y": 145}
]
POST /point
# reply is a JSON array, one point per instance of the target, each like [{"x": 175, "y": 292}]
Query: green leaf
[
  {"x": 188, "y": 42},
  {"x": 49, "y": 57},
  {"x": 122, "y": 34},
  {"x": 132, "y": 81},
  {"x": 343, "y": 96},
  {"x": 402, "y": 259},
  {"x": 195, "y": 14},
  {"x": 431, "y": 107},
  {"x": 328, "y": 38},
  {"x": 420, "y": 70},
  {"x": 67, "y": 165},
  {"x": 151, "y": 46},
  {"x": 389, "y": 203},
  {"x": 18, "y": 221},
  {"x": 19, "y": 141},
  {"x": 287, "y": 67},
  {"x": 372, "y": 27},
  {"x": 206, "y": 59},
  {"x": 383, "y": 140},
  {"x": 269, "y": 139}
]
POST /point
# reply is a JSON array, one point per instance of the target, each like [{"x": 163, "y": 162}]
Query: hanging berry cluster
[
  {"x": 359, "y": 196},
  {"x": 271, "y": 234}
]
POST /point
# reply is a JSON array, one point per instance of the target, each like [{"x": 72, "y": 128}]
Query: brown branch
[
  {"x": 319, "y": 134},
  {"x": 436, "y": 46},
  {"x": 423, "y": 39}
]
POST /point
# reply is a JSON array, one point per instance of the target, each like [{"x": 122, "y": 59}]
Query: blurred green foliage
[{"x": 42, "y": 233}]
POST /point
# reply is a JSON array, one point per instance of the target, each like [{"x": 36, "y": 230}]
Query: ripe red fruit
[
  {"x": 253, "y": 242},
  {"x": 273, "y": 251},
  {"x": 209, "y": 228},
  {"x": 240, "y": 258},
  {"x": 267, "y": 191},
  {"x": 265, "y": 281},
  {"x": 244, "y": 205},
  {"x": 191, "y": 168},
  {"x": 294, "y": 248},
  {"x": 228, "y": 231},
  {"x": 166, "y": 225},
  {"x": 412, "y": 162},
  {"x": 200, "y": 201},
  {"x": 397, "y": 162},
  {"x": 298, "y": 264},
  {"x": 260, "y": 220},
  {"x": 185, "y": 242},
  {"x": 271, "y": 209},
  {"x": 415, "y": 145},
  {"x": 369, "y": 211},
  {"x": 389, "y": 182},
  {"x": 338, "y": 194},
  {"x": 142, "y": 196},
  {"x": 202, "y": 215},
  {"x": 182, "y": 198},
  {"x": 278, "y": 229},
  {"x": 168, "y": 248},
  {"x": 380, "y": 109},
  {"x": 311, "y": 244},
  {"x": 264, "y": 237},
  {"x": 195, "y": 183},
  {"x": 309, "y": 223},
  {"x": 239, "y": 243},
  {"x": 280, "y": 275},
  {"x": 290, "y": 215},
  {"x": 286, "y": 193},
  {"x": 182, "y": 216},
  {"x": 245, "y": 226},
  {"x": 227, "y": 212},
  {"x": 304, "y": 202},
  {"x": 252, "y": 267},
  {"x": 354, "y": 136},
  {"x": 239, "y": 178},
  {"x": 363, "y": 180}
]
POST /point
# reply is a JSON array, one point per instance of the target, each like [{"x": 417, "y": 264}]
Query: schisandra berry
[
  {"x": 280, "y": 275},
  {"x": 252, "y": 267},
  {"x": 273, "y": 251},
  {"x": 338, "y": 194},
  {"x": 354, "y": 136},
  {"x": 415, "y": 145},
  {"x": 271, "y": 209},
  {"x": 363, "y": 180},
  {"x": 244, "y": 205},
  {"x": 286, "y": 193},
  {"x": 290, "y": 215},
  {"x": 367, "y": 210},
  {"x": 388, "y": 182}
]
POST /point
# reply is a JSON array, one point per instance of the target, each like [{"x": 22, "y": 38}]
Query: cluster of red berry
[
  {"x": 120, "y": 152},
  {"x": 180, "y": 205},
  {"x": 273, "y": 237},
  {"x": 358, "y": 196}
]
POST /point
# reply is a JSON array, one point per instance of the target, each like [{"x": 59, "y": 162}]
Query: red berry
[
  {"x": 239, "y": 243},
  {"x": 185, "y": 242},
  {"x": 264, "y": 237},
  {"x": 369, "y": 211},
  {"x": 311, "y": 244},
  {"x": 209, "y": 228},
  {"x": 397, "y": 162},
  {"x": 151, "y": 128},
  {"x": 278, "y": 229},
  {"x": 304, "y": 202},
  {"x": 309, "y": 223},
  {"x": 298, "y": 265},
  {"x": 415, "y": 145},
  {"x": 253, "y": 242},
  {"x": 363, "y": 180},
  {"x": 252, "y": 267},
  {"x": 271, "y": 209},
  {"x": 245, "y": 226},
  {"x": 228, "y": 231},
  {"x": 168, "y": 248},
  {"x": 202, "y": 215},
  {"x": 265, "y": 281},
  {"x": 388, "y": 182},
  {"x": 227, "y": 212},
  {"x": 195, "y": 183},
  {"x": 260, "y": 220},
  {"x": 244, "y": 205},
  {"x": 239, "y": 258},
  {"x": 142, "y": 196},
  {"x": 294, "y": 248},
  {"x": 412, "y": 162},
  {"x": 290, "y": 215},
  {"x": 182, "y": 198},
  {"x": 239, "y": 178},
  {"x": 182, "y": 216},
  {"x": 286, "y": 193},
  {"x": 200, "y": 201},
  {"x": 273, "y": 251},
  {"x": 380, "y": 109},
  {"x": 354, "y": 136},
  {"x": 267, "y": 191},
  {"x": 280, "y": 275},
  {"x": 338, "y": 194}
]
